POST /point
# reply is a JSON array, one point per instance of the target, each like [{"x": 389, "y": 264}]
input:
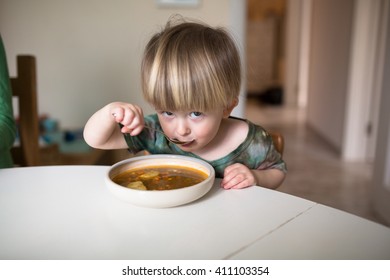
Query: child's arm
[
  {"x": 238, "y": 176},
  {"x": 102, "y": 130}
]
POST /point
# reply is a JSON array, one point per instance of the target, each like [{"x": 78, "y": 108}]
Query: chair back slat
[
  {"x": 278, "y": 140},
  {"x": 24, "y": 87}
]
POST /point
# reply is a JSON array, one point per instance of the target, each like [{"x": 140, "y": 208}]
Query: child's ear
[{"x": 228, "y": 110}]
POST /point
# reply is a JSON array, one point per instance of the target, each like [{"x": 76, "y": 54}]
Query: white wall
[
  {"x": 88, "y": 51},
  {"x": 328, "y": 69}
]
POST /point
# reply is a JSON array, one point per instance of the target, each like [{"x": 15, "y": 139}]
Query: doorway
[{"x": 265, "y": 44}]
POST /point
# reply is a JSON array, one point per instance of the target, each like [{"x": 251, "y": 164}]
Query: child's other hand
[
  {"x": 237, "y": 176},
  {"x": 129, "y": 115}
]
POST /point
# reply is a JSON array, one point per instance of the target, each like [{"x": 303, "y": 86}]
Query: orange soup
[{"x": 160, "y": 177}]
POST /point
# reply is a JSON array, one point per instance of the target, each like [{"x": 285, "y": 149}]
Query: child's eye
[
  {"x": 166, "y": 113},
  {"x": 196, "y": 114}
]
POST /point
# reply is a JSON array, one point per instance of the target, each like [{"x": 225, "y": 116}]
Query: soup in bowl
[{"x": 160, "y": 181}]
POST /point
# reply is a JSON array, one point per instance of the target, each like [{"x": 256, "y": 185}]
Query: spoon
[{"x": 172, "y": 140}]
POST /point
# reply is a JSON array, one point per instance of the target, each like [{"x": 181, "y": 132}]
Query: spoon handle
[{"x": 174, "y": 141}]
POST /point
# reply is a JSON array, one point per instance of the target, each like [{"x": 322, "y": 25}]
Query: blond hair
[{"x": 191, "y": 66}]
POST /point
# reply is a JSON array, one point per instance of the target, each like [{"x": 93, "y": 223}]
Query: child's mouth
[{"x": 187, "y": 144}]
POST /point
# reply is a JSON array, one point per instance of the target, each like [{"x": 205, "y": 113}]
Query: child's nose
[{"x": 183, "y": 129}]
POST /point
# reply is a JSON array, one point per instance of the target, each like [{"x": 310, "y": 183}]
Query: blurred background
[{"x": 313, "y": 70}]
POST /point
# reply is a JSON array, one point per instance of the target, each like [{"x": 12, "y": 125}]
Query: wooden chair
[
  {"x": 278, "y": 140},
  {"x": 24, "y": 87},
  {"x": 29, "y": 152}
]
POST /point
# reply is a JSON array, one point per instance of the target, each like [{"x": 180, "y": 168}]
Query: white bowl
[{"x": 163, "y": 198}]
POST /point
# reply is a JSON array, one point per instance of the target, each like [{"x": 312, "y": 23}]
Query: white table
[{"x": 66, "y": 212}]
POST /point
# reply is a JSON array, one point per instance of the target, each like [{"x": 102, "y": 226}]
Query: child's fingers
[
  {"x": 118, "y": 115},
  {"x": 236, "y": 176},
  {"x": 132, "y": 131},
  {"x": 136, "y": 130},
  {"x": 132, "y": 118}
]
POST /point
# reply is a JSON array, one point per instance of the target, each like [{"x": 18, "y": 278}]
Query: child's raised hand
[
  {"x": 129, "y": 115},
  {"x": 237, "y": 176}
]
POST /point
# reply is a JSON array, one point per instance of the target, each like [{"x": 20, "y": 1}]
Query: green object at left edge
[{"x": 7, "y": 121}]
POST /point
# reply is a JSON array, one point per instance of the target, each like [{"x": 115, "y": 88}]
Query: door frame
[
  {"x": 366, "y": 69},
  {"x": 381, "y": 174}
]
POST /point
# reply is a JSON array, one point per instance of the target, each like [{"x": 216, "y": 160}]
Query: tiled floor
[{"x": 315, "y": 171}]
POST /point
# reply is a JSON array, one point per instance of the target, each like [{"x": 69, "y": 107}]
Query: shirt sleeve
[
  {"x": 273, "y": 159},
  {"x": 149, "y": 140}
]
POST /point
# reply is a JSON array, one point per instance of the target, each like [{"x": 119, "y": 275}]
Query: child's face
[{"x": 198, "y": 127}]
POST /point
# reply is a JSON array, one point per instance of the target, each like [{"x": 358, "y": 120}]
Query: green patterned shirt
[{"x": 256, "y": 152}]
